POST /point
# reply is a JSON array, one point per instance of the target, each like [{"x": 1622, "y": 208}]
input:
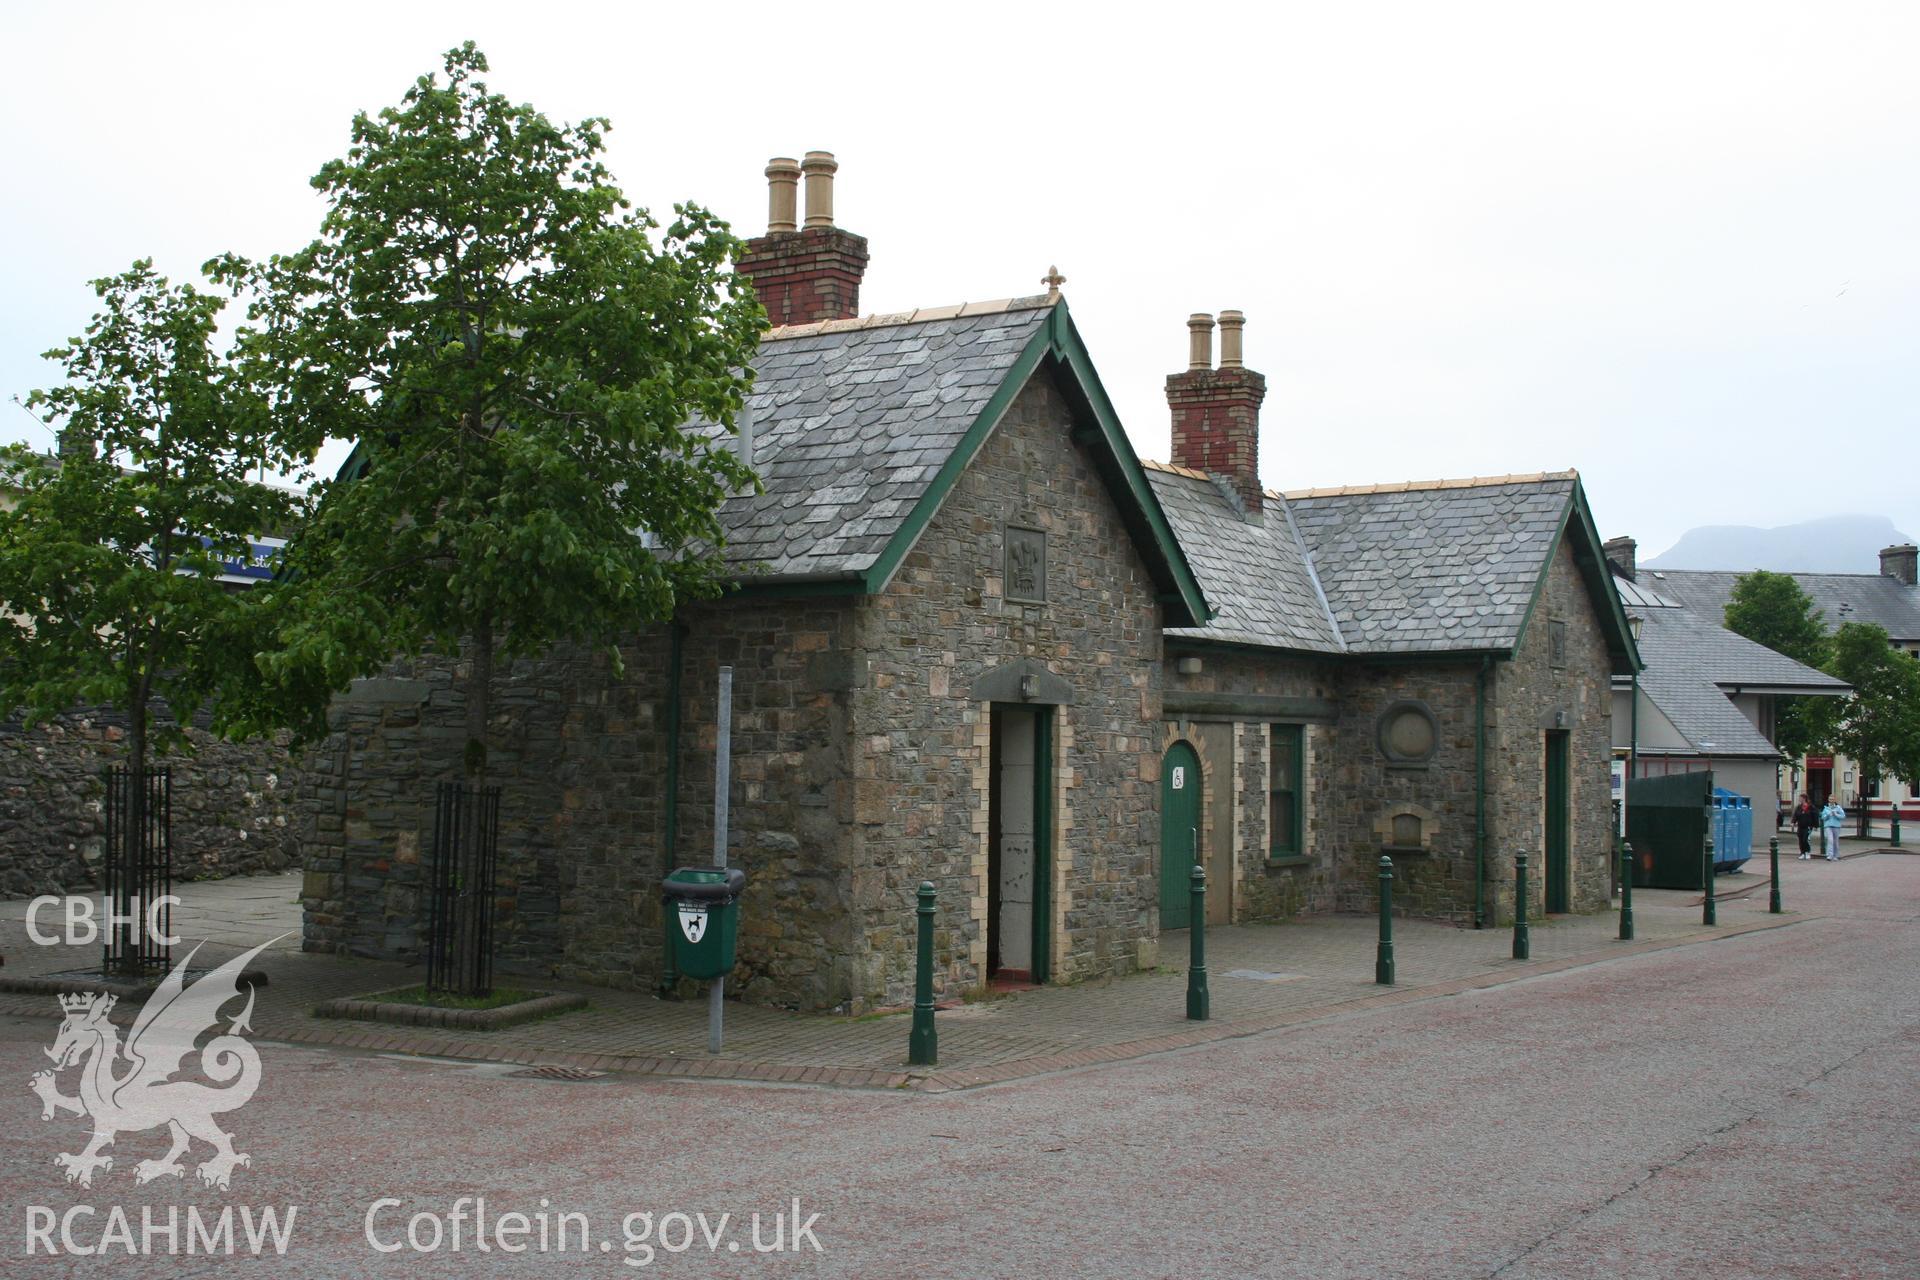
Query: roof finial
[{"x": 1053, "y": 280}]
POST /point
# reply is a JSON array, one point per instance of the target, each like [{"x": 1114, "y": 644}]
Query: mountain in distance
[{"x": 1835, "y": 544}]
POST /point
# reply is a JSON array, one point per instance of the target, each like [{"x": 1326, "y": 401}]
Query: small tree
[
  {"x": 1772, "y": 609},
  {"x": 1879, "y": 727},
  {"x": 517, "y": 361},
  {"x": 109, "y": 559}
]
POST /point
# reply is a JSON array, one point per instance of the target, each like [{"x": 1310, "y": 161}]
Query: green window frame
[{"x": 1286, "y": 791}]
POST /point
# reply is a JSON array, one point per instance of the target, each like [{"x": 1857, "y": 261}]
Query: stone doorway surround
[{"x": 1025, "y": 682}]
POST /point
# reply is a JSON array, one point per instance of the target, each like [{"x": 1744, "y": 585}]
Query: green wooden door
[
  {"x": 1558, "y": 870},
  {"x": 1179, "y": 833}
]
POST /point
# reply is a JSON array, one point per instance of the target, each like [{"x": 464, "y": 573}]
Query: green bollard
[
  {"x": 1893, "y": 832},
  {"x": 1199, "y": 1005},
  {"x": 1773, "y": 860},
  {"x": 1383, "y": 957},
  {"x": 923, "y": 1045},
  {"x": 1626, "y": 891},
  {"x": 1708, "y": 910},
  {"x": 1522, "y": 940}
]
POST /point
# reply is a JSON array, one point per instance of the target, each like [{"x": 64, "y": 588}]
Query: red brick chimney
[
  {"x": 809, "y": 273},
  {"x": 1216, "y": 412}
]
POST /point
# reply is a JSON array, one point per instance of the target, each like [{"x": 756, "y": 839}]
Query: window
[
  {"x": 1285, "y": 835},
  {"x": 1557, "y": 643}
]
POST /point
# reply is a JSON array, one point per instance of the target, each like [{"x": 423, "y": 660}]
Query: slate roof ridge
[
  {"x": 1420, "y": 486},
  {"x": 1172, "y": 470},
  {"x": 1785, "y": 573},
  {"x": 1313, "y": 573},
  {"x": 884, "y": 319}
]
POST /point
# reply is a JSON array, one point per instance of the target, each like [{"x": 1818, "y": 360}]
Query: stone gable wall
[
  {"x": 921, "y": 741},
  {"x": 1531, "y": 690},
  {"x": 232, "y": 804}
]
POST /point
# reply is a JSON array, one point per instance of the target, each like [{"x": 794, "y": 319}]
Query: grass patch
[{"x": 497, "y": 998}]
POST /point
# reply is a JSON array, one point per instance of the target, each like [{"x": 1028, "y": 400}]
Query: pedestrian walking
[
  {"x": 1805, "y": 819},
  {"x": 1830, "y": 819}
]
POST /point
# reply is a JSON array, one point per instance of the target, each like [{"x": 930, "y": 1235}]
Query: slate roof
[
  {"x": 1436, "y": 567},
  {"x": 1432, "y": 569},
  {"x": 851, "y": 422},
  {"x": 1841, "y": 597},
  {"x": 1255, "y": 576},
  {"x": 1693, "y": 665}
]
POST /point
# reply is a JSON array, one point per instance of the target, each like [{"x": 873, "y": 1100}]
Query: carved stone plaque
[{"x": 1026, "y": 565}]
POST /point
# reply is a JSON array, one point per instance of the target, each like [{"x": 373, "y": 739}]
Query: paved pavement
[
  {"x": 1262, "y": 977},
  {"x": 1742, "y": 1109}
]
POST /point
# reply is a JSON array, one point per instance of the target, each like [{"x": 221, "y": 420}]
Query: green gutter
[
  {"x": 677, "y": 636},
  {"x": 1480, "y": 796}
]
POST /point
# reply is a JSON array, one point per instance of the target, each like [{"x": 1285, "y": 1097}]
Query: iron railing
[
  {"x": 138, "y": 871},
  {"x": 460, "y": 889}
]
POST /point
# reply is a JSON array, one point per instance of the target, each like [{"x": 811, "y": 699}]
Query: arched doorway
[{"x": 1180, "y": 800}]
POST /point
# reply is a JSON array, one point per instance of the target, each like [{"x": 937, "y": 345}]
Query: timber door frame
[
  {"x": 1557, "y": 822},
  {"x": 1041, "y": 964}
]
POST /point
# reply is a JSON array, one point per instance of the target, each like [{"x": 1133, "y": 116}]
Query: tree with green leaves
[
  {"x": 517, "y": 360},
  {"x": 1774, "y": 610},
  {"x": 1879, "y": 727},
  {"x": 111, "y": 555}
]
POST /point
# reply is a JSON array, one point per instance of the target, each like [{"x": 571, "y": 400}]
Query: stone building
[
  {"x": 976, "y": 641},
  {"x": 1697, "y": 600}
]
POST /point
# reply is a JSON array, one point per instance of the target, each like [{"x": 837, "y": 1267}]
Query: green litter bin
[{"x": 703, "y": 918}]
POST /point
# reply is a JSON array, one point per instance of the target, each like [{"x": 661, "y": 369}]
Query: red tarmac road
[{"x": 1744, "y": 1108}]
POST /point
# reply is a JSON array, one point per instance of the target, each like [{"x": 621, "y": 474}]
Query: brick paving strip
[{"x": 1263, "y": 977}]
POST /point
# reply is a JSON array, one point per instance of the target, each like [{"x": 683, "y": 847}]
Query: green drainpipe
[
  {"x": 1480, "y": 796},
  {"x": 677, "y": 636},
  {"x": 1633, "y": 731}
]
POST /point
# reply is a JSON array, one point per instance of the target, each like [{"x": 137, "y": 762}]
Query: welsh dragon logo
[{"x": 144, "y": 1095}]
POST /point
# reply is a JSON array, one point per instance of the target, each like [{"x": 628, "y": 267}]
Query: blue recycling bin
[{"x": 1732, "y": 826}]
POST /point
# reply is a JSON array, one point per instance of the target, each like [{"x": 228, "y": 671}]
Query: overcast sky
[{"x": 1675, "y": 246}]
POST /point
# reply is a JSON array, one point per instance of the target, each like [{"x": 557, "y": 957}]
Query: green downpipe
[
  {"x": 1480, "y": 797},
  {"x": 677, "y": 636}
]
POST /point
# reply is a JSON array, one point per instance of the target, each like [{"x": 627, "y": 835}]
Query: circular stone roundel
[{"x": 1408, "y": 733}]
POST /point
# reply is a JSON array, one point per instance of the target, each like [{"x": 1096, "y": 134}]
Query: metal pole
[
  {"x": 1626, "y": 891},
  {"x": 1708, "y": 914},
  {"x": 1522, "y": 941},
  {"x": 722, "y": 783},
  {"x": 923, "y": 1044},
  {"x": 1199, "y": 1003},
  {"x": 1773, "y": 860},
  {"x": 670, "y": 844},
  {"x": 1893, "y": 832},
  {"x": 1383, "y": 954}
]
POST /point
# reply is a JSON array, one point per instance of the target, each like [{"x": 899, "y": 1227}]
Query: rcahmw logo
[
  {"x": 82, "y": 919},
  {"x": 132, "y": 1087},
  {"x": 145, "y": 1095}
]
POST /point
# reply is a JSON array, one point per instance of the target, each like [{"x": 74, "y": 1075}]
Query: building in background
[{"x": 1889, "y": 599}]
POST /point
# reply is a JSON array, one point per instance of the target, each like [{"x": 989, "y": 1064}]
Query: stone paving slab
[{"x": 1261, "y": 977}]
